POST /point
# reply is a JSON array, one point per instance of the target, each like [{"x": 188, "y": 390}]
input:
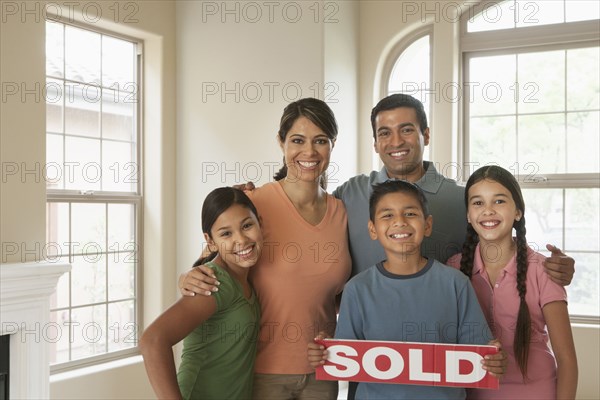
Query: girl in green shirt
[{"x": 219, "y": 331}]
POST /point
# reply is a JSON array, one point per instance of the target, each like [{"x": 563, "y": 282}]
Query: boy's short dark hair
[{"x": 396, "y": 186}]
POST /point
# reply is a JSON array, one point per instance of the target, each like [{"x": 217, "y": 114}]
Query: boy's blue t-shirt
[{"x": 435, "y": 305}]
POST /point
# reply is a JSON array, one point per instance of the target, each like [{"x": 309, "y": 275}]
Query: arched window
[
  {"x": 411, "y": 73},
  {"x": 532, "y": 105}
]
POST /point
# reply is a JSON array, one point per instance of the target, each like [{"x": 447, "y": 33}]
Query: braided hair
[{"x": 523, "y": 329}]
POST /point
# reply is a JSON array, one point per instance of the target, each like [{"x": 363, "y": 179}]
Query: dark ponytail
[
  {"x": 523, "y": 329},
  {"x": 204, "y": 260},
  {"x": 282, "y": 173},
  {"x": 215, "y": 204},
  {"x": 317, "y": 112}
]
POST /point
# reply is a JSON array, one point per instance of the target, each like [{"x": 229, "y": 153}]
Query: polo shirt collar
[
  {"x": 381, "y": 177},
  {"x": 430, "y": 182},
  {"x": 510, "y": 268}
]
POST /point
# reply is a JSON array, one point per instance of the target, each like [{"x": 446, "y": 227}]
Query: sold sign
[{"x": 430, "y": 364}]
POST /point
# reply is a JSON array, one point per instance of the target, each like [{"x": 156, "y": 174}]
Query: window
[
  {"x": 533, "y": 107},
  {"x": 496, "y": 15},
  {"x": 93, "y": 193},
  {"x": 411, "y": 74}
]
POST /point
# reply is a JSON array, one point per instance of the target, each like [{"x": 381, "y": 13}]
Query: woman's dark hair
[
  {"x": 317, "y": 112},
  {"x": 396, "y": 186},
  {"x": 399, "y": 100},
  {"x": 506, "y": 179},
  {"x": 215, "y": 204}
]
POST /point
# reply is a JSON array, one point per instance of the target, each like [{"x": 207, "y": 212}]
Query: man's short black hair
[{"x": 399, "y": 100}]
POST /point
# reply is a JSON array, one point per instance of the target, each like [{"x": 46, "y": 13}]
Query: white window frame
[
  {"x": 579, "y": 34},
  {"x": 111, "y": 197}
]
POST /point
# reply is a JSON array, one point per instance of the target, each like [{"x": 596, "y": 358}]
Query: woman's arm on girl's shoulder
[
  {"x": 556, "y": 315},
  {"x": 167, "y": 330},
  {"x": 199, "y": 280}
]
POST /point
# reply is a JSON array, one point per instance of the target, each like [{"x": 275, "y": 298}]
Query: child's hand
[
  {"x": 317, "y": 355},
  {"x": 496, "y": 364}
]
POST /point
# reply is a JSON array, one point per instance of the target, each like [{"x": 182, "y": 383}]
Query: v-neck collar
[{"x": 296, "y": 213}]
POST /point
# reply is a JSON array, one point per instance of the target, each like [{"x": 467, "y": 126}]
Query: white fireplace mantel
[{"x": 25, "y": 290}]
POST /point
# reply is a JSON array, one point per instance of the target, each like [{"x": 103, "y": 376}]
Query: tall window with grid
[
  {"x": 93, "y": 192},
  {"x": 533, "y": 107}
]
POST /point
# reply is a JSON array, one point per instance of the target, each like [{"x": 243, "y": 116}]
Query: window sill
[{"x": 95, "y": 369}]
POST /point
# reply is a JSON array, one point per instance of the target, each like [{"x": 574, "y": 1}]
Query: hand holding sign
[
  {"x": 495, "y": 364},
  {"x": 317, "y": 354},
  {"x": 431, "y": 364}
]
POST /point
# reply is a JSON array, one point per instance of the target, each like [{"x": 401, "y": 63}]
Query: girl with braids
[{"x": 517, "y": 297}]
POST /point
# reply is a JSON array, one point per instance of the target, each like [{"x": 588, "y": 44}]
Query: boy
[{"x": 406, "y": 297}]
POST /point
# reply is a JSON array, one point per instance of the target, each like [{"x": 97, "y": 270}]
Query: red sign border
[{"x": 487, "y": 382}]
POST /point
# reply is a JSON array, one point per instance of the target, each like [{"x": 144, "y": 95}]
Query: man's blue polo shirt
[{"x": 446, "y": 204}]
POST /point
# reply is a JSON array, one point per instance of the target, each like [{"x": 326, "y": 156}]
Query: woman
[{"x": 305, "y": 260}]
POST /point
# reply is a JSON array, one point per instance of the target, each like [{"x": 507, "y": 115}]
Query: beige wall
[
  {"x": 341, "y": 84},
  {"x": 22, "y": 140}
]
